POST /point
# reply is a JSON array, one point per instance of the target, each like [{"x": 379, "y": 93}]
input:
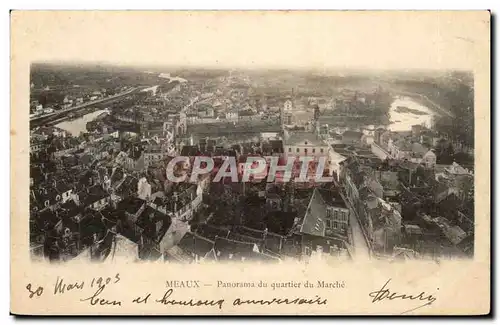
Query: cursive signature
[{"x": 384, "y": 293}]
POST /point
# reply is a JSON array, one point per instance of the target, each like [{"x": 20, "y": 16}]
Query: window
[
  {"x": 314, "y": 150},
  {"x": 305, "y": 151},
  {"x": 289, "y": 149},
  {"x": 321, "y": 150},
  {"x": 297, "y": 150},
  {"x": 335, "y": 225},
  {"x": 328, "y": 223}
]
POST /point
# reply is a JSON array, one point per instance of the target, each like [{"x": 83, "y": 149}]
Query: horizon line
[{"x": 217, "y": 66}]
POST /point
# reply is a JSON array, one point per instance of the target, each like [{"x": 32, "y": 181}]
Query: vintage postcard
[{"x": 250, "y": 163}]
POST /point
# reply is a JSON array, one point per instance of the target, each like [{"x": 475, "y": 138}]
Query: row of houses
[{"x": 320, "y": 229}]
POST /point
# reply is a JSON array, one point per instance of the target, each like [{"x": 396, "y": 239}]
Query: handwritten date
[
  {"x": 61, "y": 287},
  {"x": 34, "y": 293}
]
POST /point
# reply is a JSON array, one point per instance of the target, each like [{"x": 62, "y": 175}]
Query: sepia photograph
[
  {"x": 212, "y": 140},
  {"x": 394, "y": 152}
]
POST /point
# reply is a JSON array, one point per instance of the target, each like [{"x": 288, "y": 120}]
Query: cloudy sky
[{"x": 379, "y": 40}]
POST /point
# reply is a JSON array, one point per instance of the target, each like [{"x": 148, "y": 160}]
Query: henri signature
[{"x": 385, "y": 293}]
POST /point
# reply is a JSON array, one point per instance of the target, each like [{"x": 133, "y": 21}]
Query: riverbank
[
  {"x": 424, "y": 101},
  {"x": 75, "y": 127},
  {"x": 406, "y": 112}
]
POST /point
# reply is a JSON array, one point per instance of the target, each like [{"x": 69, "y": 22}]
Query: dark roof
[
  {"x": 91, "y": 225},
  {"x": 449, "y": 204},
  {"x": 148, "y": 219},
  {"x": 277, "y": 146},
  {"x": 211, "y": 232},
  {"x": 332, "y": 198},
  {"x": 189, "y": 151},
  {"x": 69, "y": 205},
  {"x": 244, "y": 238},
  {"x": 47, "y": 193},
  {"x": 352, "y": 135},
  {"x": 135, "y": 153},
  {"x": 93, "y": 194},
  {"x": 62, "y": 187},
  {"x": 272, "y": 241},
  {"x": 266, "y": 146},
  {"x": 195, "y": 244},
  {"x": 231, "y": 250},
  {"x": 116, "y": 175},
  {"x": 158, "y": 201},
  {"x": 130, "y": 205},
  {"x": 129, "y": 185},
  {"x": 48, "y": 217},
  {"x": 86, "y": 159}
]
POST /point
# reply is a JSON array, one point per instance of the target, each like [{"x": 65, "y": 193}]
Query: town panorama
[{"x": 396, "y": 149}]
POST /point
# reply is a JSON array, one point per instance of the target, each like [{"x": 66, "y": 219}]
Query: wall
[{"x": 292, "y": 151}]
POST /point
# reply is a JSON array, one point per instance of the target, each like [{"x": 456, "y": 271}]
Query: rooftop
[
  {"x": 314, "y": 223},
  {"x": 303, "y": 138},
  {"x": 332, "y": 198}
]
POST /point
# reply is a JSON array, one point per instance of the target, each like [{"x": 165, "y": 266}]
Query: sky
[{"x": 320, "y": 40}]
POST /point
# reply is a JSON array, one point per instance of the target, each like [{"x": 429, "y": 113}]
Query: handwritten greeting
[{"x": 101, "y": 296}]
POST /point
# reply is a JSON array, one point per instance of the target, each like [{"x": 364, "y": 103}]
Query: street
[{"x": 361, "y": 248}]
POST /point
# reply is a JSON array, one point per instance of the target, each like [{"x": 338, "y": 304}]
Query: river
[
  {"x": 400, "y": 121},
  {"x": 75, "y": 127},
  {"x": 168, "y": 76},
  {"x": 403, "y": 121},
  {"x": 154, "y": 89}
]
